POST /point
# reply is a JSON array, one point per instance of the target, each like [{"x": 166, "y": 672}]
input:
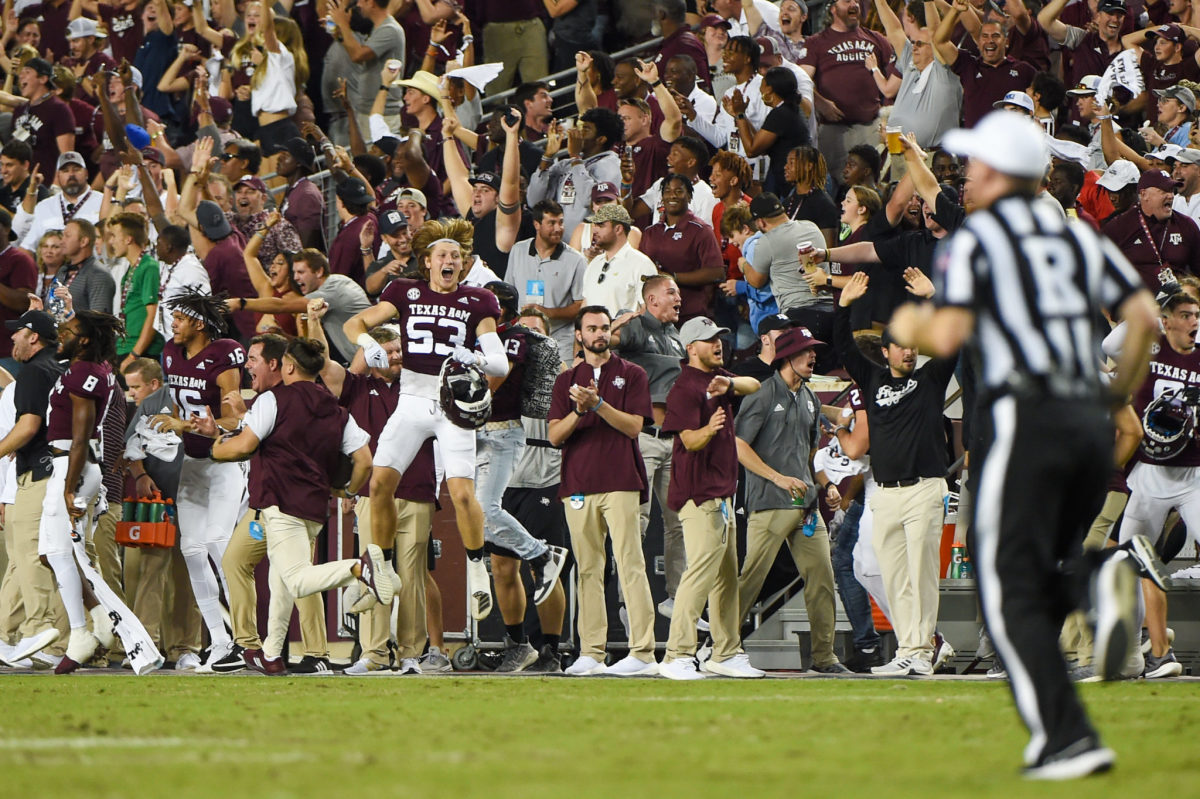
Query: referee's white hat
[{"x": 1006, "y": 141}]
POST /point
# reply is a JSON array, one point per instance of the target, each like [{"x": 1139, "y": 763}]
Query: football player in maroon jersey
[
  {"x": 201, "y": 368},
  {"x": 439, "y": 319}
]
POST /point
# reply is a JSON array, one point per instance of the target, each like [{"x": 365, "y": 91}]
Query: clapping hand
[
  {"x": 854, "y": 289},
  {"x": 918, "y": 282}
]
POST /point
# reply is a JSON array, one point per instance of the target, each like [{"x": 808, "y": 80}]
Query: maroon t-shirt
[
  {"x": 1032, "y": 47},
  {"x": 193, "y": 383},
  {"x": 1169, "y": 371},
  {"x": 227, "y": 273},
  {"x": 649, "y": 163},
  {"x": 124, "y": 30},
  {"x": 345, "y": 256},
  {"x": 685, "y": 247},
  {"x": 983, "y": 85},
  {"x": 710, "y": 472},
  {"x": 837, "y": 57},
  {"x": 17, "y": 271},
  {"x": 1159, "y": 76},
  {"x": 39, "y": 126},
  {"x": 433, "y": 323},
  {"x": 506, "y": 400},
  {"x": 85, "y": 140},
  {"x": 54, "y": 26},
  {"x": 684, "y": 42},
  {"x": 304, "y": 207},
  {"x": 1091, "y": 57},
  {"x": 1161, "y": 251},
  {"x": 91, "y": 381},
  {"x": 598, "y": 458}
]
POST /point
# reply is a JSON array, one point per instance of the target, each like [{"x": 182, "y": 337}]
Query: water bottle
[
  {"x": 968, "y": 569},
  {"x": 330, "y": 25},
  {"x": 56, "y": 305},
  {"x": 810, "y": 524}
]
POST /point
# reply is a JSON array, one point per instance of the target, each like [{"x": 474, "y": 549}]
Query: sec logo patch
[{"x": 414, "y": 294}]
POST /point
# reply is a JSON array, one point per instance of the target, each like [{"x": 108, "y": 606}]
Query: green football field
[{"x": 180, "y": 737}]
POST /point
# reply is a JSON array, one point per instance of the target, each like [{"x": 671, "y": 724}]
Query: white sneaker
[
  {"x": 942, "y": 651},
  {"x": 6, "y": 651},
  {"x": 631, "y": 666},
  {"x": 357, "y": 598},
  {"x": 586, "y": 666},
  {"x": 1072, "y": 765},
  {"x": 410, "y": 666},
  {"x": 666, "y": 607},
  {"x": 215, "y": 653},
  {"x": 1114, "y": 605},
  {"x": 1190, "y": 573},
  {"x": 365, "y": 667},
  {"x": 27, "y": 647},
  {"x": 903, "y": 666},
  {"x": 736, "y": 666},
  {"x": 188, "y": 661},
  {"x": 479, "y": 589},
  {"x": 680, "y": 669},
  {"x": 41, "y": 661},
  {"x": 102, "y": 627},
  {"x": 705, "y": 650},
  {"x": 434, "y": 662},
  {"x": 82, "y": 645}
]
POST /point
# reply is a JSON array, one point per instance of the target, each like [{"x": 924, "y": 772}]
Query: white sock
[{"x": 70, "y": 587}]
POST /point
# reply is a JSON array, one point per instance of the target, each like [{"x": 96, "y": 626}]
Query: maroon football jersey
[
  {"x": 506, "y": 402},
  {"x": 434, "y": 324},
  {"x": 1169, "y": 371},
  {"x": 93, "y": 381},
  {"x": 193, "y": 383}
]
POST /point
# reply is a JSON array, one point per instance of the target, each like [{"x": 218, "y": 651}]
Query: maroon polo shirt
[
  {"x": 1173, "y": 242},
  {"x": 685, "y": 247},
  {"x": 227, "y": 273},
  {"x": 1091, "y": 57},
  {"x": 371, "y": 401},
  {"x": 837, "y": 57},
  {"x": 710, "y": 472},
  {"x": 345, "y": 257},
  {"x": 304, "y": 207},
  {"x": 598, "y": 458},
  {"x": 983, "y": 85},
  {"x": 684, "y": 42},
  {"x": 124, "y": 30},
  {"x": 1032, "y": 47},
  {"x": 1160, "y": 76},
  {"x": 17, "y": 271},
  {"x": 649, "y": 163}
]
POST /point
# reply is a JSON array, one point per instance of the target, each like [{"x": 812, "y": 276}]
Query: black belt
[
  {"x": 912, "y": 481},
  {"x": 656, "y": 432},
  {"x": 539, "y": 442}
]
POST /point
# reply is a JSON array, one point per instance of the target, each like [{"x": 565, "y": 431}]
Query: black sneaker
[
  {"x": 1080, "y": 759},
  {"x": 547, "y": 575},
  {"x": 231, "y": 662},
  {"x": 547, "y": 662},
  {"x": 833, "y": 668},
  {"x": 863, "y": 660},
  {"x": 312, "y": 665},
  {"x": 517, "y": 657}
]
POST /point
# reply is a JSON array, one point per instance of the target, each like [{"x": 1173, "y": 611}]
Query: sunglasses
[{"x": 603, "y": 272}]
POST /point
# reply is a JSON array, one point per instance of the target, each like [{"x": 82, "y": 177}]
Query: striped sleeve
[{"x": 954, "y": 279}]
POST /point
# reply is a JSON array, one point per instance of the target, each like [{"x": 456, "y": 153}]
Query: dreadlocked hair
[
  {"x": 209, "y": 309},
  {"x": 101, "y": 330},
  {"x": 460, "y": 230}
]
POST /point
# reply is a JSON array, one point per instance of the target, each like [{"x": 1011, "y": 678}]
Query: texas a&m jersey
[
  {"x": 193, "y": 383},
  {"x": 433, "y": 324}
]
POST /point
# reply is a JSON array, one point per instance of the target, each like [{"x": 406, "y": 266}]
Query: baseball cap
[
  {"x": 613, "y": 212},
  {"x": 137, "y": 136},
  {"x": 775, "y": 321},
  {"x": 41, "y": 66},
  {"x": 765, "y": 206},
  {"x": 1088, "y": 84},
  {"x": 301, "y": 150},
  {"x": 222, "y": 109},
  {"x": 70, "y": 157},
  {"x": 1019, "y": 99},
  {"x": 1112, "y": 6},
  {"x": 605, "y": 191},
  {"x": 353, "y": 191},
  {"x": 489, "y": 179},
  {"x": 1165, "y": 152},
  {"x": 391, "y": 222},
  {"x": 1119, "y": 174},
  {"x": 213, "y": 223},
  {"x": 1188, "y": 156},
  {"x": 1008, "y": 142},
  {"x": 416, "y": 195},
  {"x": 82, "y": 27},
  {"x": 714, "y": 21},
  {"x": 793, "y": 342},
  {"x": 1171, "y": 32},
  {"x": 153, "y": 154},
  {"x": 39, "y": 322},
  {"x": 1157, "y": 179},
  {"x": 254, "y": 182},
  {"x": 1181, "y": 93},
  {"x": 768, "y": 47},
  {"x": 700, "y": 328}
]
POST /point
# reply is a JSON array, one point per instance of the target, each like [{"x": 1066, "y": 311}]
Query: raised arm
[
  {"x": 254, "y": 267},
  {"x": 585, "y": 95},
  {"x": 456, "y": 170},
  {"x": 508, "y": 221},
  {"x": 270, "y": 40},
  {"x": 942, "y": 44},
  {"x": 333, "y": 374},
  {"x": 1048, "y": 18},
  {"x": 672, "y": 125},
  {"x": 892, "y": 29}
]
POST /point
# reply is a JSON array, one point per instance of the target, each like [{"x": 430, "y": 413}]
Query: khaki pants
[
  {"x": 12, "y": 609},
  {"x": 241, "y": 557},
  {"x": 293, "y": 574},
  {"x": 595, "y": 517},
  {"x": 414, "y": 521},
  {"x": 835, "y": 142},
  {"x": 907, "y": 539},
  {"x": 1077, "y": 635},
  {"x": 38, "y": 591},
  {"x": 520, "y": 46},
  {"x": 766, "y": 531},
  {"x": 711, "y": 577},
  {"x": 656, "y": 453}
]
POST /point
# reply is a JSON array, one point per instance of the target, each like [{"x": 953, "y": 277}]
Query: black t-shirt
[
  {"x": 816, "y": 206},
  {"x": 791, "y": 131},
  {"x": 492, "y": 161},
  {"x": 11, "y": 198},
  {"x": 485, "y": 239},
  {"x": 35, "y": 381},
  {"x": 753, "y": 367},
  {"x": 907, "y": 435}
]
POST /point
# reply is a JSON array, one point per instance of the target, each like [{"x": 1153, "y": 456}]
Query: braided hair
[
  {"x": 101, "y": 330},
  {"x": 210, "y": 310}
]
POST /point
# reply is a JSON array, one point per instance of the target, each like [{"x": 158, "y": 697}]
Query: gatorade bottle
[
  {"x": 143, "y": 511},
  {"x": 157, "y": 508},
  {"x": 958, "y": 554},
  {"x": 129, "y": 509},
  {"x": 968, "y": 569},
  {"x": 810, "y": 524}
]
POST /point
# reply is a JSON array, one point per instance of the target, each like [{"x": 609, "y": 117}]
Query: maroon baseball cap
[
  {"x": 154, "y": 154},
  {"x": 714, "y": 21},
  {"x": 794, "y": 342},
  {"x": 605, "y": 191},
  {"x": 1171, "y": 32},
  {"x": 768, "y": 47},
  {"x": 1157, "y": 179},
  {"x": 253, "y": 182}
]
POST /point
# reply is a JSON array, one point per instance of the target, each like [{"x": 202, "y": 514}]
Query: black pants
[{"x": 1040, "y": 483}]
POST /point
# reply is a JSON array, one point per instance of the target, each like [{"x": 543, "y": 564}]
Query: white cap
[
  {"x": 1019, "y": 99},
  {"x": 136, "y": 74},
  {"x": 82, "y": 26},
  {"x": 1119, "y": 174},
  {"x": 1006, "y": 141},
  {"x": 1088, "y": 84},
  {"x": 1167, "y": 150},
  {"x": 1188, "y": 156}
]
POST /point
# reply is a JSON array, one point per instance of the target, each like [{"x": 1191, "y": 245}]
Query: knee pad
[{"x": 192, "y": 549}]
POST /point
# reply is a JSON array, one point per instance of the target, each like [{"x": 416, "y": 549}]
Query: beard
[
  {"x": 69, "y": 350},
  {"x": 598, "y": 346},
  {"x": 360, "y": 23}
]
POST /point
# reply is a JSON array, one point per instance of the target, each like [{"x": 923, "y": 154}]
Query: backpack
[{"x": 542, "y": 365}]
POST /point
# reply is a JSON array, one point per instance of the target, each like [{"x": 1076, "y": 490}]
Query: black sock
[
  {"x": 551, "y": 641},
  {"x": 516, "y": 632},
  {"x": 389, "y": 554},
  {"x": 475, "y": 554}
]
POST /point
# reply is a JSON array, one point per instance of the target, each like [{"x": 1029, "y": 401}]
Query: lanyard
[
  {"x": 69, "y": 215},
  {"x": 1156, "y": 247}
]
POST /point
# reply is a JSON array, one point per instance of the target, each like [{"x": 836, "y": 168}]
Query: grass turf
[{"x": 100, "y": 736}]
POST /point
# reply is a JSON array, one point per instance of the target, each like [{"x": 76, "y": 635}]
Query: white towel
[{"x": 149, "y": 442}]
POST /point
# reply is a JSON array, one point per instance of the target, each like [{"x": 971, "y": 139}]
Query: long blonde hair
[{"x": 428, "y": 234}]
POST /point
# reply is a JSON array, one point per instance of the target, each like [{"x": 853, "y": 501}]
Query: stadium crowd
[{"x": 608, "y": 298}]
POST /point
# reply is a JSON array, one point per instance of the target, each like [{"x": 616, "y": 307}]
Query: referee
[{"x": 1026, "y": 289}]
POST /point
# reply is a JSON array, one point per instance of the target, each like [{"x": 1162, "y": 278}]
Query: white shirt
[
  {"x": 704, "y": 103},
  {"x": 8, "y": 466},
  {"x": 1188, "y": 206},
  {"x": 621, "y": 288},
  {"x": 721, "y": 130},
  {"x": 48, "y": 215},
  {"x": 277, "y": 93},
  {"x": 770, "y": 15},
  {"x": 174, "y": 280},
  {"x": 703, "y": 202},
  {"x": 261, "y": 421},
  {"x": 480, "y": 275}
]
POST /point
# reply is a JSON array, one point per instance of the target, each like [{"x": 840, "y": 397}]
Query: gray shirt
[
  {"x": 386, "y": 42},
  {"x": 92, "y": 288},
  {"x": 540, "y": 463},
  {"x": 165, "y": 474},
  {"x": 553, "y": 282},
  {"x": 929, "y": 102},
  {"x": 776, "y": 256},
  {"x": 346, "y": 298},
  {"x": 655, "y": 346},
  {"x": 782, "y": 427},
  {"x": 570, "y": 184}
]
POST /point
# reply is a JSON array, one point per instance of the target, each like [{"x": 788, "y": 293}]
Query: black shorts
[
  {"x": 431, "y": 553},
  {"x": 540, "y": 511},
  {"x": 272, "y": 136}
]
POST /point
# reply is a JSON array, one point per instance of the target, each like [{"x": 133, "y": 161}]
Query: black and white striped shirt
[{"x": 1036, "y": 284}]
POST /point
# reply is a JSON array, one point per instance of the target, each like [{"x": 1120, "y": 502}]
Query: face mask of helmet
[
  {"x": 1168, "y": 423},
  {"x": 465, "y": 398}
]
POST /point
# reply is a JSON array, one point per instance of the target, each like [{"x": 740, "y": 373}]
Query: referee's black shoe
[
  {"x": 1113, "y": 608},
  {"x": 1081, "y": 759}
]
